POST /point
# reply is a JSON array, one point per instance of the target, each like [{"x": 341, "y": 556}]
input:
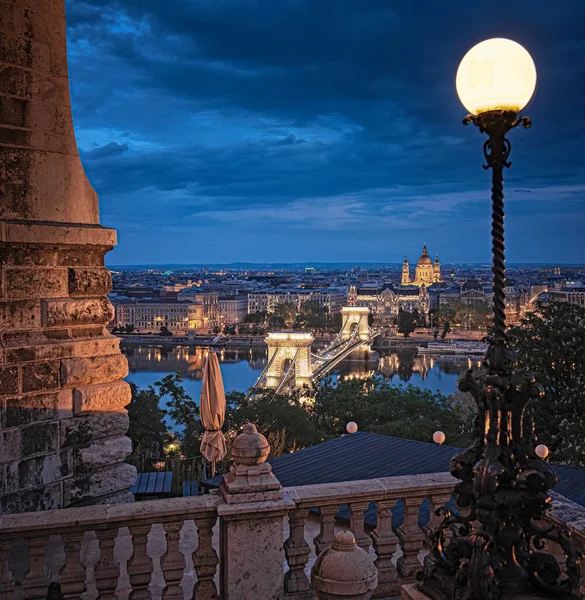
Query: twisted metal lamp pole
[{"x": 491, "y": 544}]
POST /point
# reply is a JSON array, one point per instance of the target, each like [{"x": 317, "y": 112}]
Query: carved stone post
[
  {"x": 72, "y": 577},
  {"x": 344, "y": 571},
  {"x": 356, "y": 524},
  {"x": 326, "y": 535},
  {"x": 173, "y": 563},
  {"x": 36, "y": 582},
  {"x": 297, "y": 553},
  {"x": 411, "y": 538},
  {"x": 385, "y": 542},
  {"x": 62, "y": 440},
  {"x": 205, "y": 559},
  {"x": 435, "y": 501},
  {"x": 251, "y": 523}
]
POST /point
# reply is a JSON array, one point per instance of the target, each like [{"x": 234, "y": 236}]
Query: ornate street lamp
[{"x": 492, "y": 543}]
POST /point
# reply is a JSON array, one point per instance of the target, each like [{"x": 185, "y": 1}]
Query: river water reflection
[{"x": 241, "y": 367}]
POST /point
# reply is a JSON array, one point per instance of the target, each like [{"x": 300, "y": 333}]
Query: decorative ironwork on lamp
[{"x": 492, "y": 544}]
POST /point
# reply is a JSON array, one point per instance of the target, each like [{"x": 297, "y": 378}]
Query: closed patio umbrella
[{"x": 212, "y": 409}]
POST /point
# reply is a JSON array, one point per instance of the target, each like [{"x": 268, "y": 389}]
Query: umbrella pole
[{"x": 213, "y": 468}]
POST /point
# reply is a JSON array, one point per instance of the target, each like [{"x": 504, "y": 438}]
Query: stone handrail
[
  {"x": 119, "y": 535},
  {"x": 396, "y": 566},
  {"x": 168, "y": 546}
]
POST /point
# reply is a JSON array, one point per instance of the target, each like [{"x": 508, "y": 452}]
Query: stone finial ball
[
  {"x": 351, "y": 427},
  {"x": 438, "y": 437},
  {"x": 250, "y": 447},
  {"x": 344, "y": 570},
  {"x": 541, "y": 451}
]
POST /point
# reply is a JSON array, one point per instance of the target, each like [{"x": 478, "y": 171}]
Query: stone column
[
  {"x": 62, "y": 398},
  {"x": 251, "y": 523}
]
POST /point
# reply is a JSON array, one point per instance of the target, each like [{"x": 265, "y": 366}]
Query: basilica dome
[{"x": 425, "y": 259}]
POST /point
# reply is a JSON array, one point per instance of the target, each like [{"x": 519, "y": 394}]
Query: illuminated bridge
[{"x": 292, "y": 364}]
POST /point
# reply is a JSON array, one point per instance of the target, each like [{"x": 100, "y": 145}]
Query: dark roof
[
  {"x": 472, "y": 284},
  {"x": 408, "y": 291},
  {"x": 369, "y": 456}
]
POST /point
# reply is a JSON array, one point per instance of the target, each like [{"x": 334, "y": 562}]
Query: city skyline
[{"x": 253, "y": 131}]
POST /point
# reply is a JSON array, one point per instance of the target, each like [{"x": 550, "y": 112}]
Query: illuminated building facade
[
  {"x": 232, "y": 309},
  {"x": 426, "y": 273},
  {"x": 386, "y": 301},
  {"x": 149, "y": 315},
  {"x": 267, "y": 300}
]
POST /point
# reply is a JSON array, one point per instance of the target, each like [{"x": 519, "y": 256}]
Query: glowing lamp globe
[
  {"x": 438, "y": 437},
  {"x": 541, "y": 451},
  {"x": 351, "y": 427},
  {"x": 496, "y": 74}
]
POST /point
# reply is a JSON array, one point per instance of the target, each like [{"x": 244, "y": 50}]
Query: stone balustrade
[
  {"x": 395, "y": 550},
  {"x": 173, "y": 548}
]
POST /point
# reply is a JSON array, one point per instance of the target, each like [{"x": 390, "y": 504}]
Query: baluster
[
  {"x": 36, "y": 582},
  {"x": 6, "y": 579},
  {"x": 205, "y": 559},
  {"x": 429, "y": 529},
  {"x": 385, "y": 542},
  {"x": 411, "y": 538},
  {"x": 297, "y": 553},
  {"x": 107, "y": 570},
  {"x": 173, "y": 563},
  {"x": 140, "y": 565},
  {"x": 72, "y": 577},
  {"x": 356, "y": 524},
  {"x": 326, "y": 535}
]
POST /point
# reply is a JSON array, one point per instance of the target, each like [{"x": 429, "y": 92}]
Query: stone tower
[
  {"x": 62, "y": 398},
  {"x": 405, "y": 272},
  {"x": 437, "y": 270}
]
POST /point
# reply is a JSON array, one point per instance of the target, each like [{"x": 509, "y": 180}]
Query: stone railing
[
  {"x": 178, "y": 548},
  {"x": 396, "y": 550},
  {"x": 140, "y": 550},
  {"x": 112, "y": 551}
]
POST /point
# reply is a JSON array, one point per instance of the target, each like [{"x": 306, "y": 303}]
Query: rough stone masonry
[{"x": 62, "y": 418}]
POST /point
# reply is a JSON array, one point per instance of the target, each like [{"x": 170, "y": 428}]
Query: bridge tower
[
  {"x": 284, "y": 348},
  {"x": 356, "y": 318},
  {"x": 353, "y": 317}
]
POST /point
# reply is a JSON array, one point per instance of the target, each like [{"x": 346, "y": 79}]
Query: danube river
[{"x": 241, "y": 368}]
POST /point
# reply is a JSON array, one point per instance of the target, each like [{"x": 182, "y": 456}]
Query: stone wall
[{"x": 62, "y": 398}]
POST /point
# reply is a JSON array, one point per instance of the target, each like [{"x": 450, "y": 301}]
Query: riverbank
[{"x": 386, "y": 341}]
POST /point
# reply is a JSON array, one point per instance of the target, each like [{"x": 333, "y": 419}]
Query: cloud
[
  {"x": 111, "y": 149},
  {"x": 315, "y": 117}
]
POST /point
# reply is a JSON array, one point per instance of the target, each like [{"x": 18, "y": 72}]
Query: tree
[
  {"x": 419, "y": 318},
  {"x": 164, "y": 330},
  {"x": 229, "y": 330},
  {"x": 405, "y": 323},
  {"x": 276, "y": 322},
  {"x": 129, "y": 328},
  {"x": 244, "y": 328},
  {"x": 380, "y": 407},
  {"x": 274, "y": 414},
  {"x": 255, "y": 317},
  {"x": 446, "y": 329},
  {"x": 288, "y": 311},
  {"x": 436, "y": 333},
  {"x": 147, "y": 430},
  {"x": 550, "y": 344},
  {"x": 182, "y": 409}
]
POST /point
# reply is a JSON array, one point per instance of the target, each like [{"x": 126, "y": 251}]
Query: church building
[{"x": 427, "y": 272}]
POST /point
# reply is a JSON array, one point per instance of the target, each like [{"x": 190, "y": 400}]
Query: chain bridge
[{"x": 292, "y": 364}]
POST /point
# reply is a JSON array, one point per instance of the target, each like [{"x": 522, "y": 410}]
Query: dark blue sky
[{"x": 313, "y": 130}]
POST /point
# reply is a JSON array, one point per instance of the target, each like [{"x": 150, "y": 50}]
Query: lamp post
[{"x": 496, "y": 545}]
